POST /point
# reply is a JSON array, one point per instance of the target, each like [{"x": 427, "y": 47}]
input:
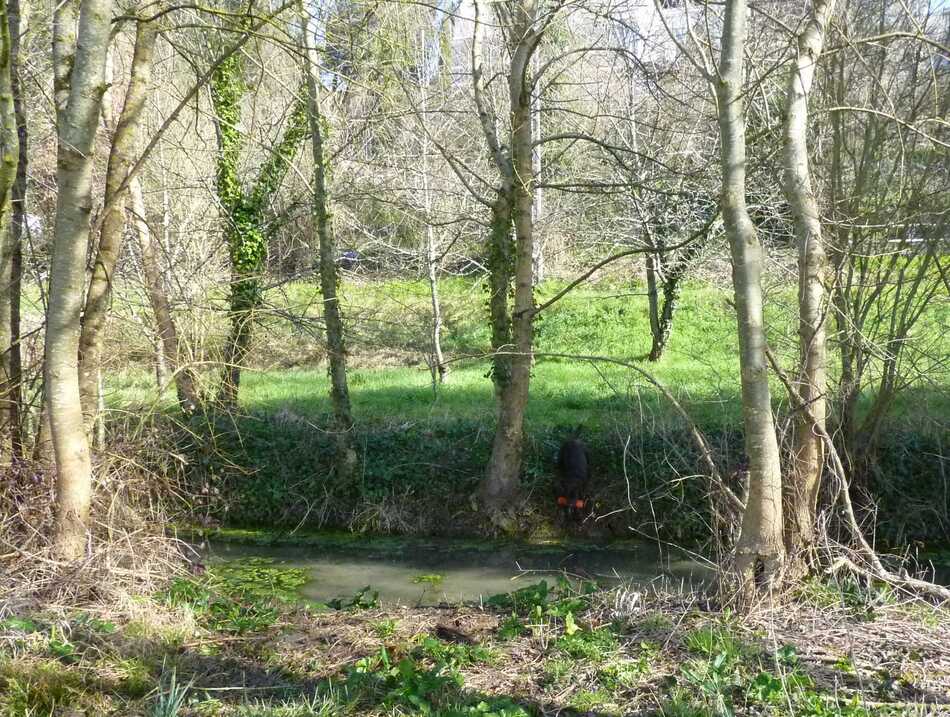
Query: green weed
[
  {"x": 593, "y": 645},
  {"x": 384, "y": 628},
  {"x": 239, "y": 596}
]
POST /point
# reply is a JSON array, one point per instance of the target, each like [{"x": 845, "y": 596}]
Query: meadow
[{"x": 423, "y": 443}]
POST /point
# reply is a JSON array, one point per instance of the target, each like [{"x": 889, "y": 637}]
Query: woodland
[{"x": 444, "y": 288}]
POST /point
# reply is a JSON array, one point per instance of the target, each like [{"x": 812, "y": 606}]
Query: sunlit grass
[{"x": 388, "y": 340}]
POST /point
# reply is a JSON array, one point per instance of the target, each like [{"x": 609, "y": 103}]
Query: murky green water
[{"x": 469, "y": 571}]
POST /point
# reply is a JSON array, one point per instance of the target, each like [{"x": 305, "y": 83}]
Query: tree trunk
[
  {"x": 111, "y": 234},
  {"x": 164, "y": 323},
  {"x": 808, "y": 446},
  {"x": 9, "y": 156},
  {"x": 501, "y": 482},
  {"x": 80, "y": 83},
  {"x": 537, "y": 204},
  {"x": 346, "y": 458},
  {"x": 245, "y": 230},
  {"x": 653, "y": 303},
  {"x": 432, "y": 250},
  {"x": 18, "y": 22},
  {"x": 432, "y": 273},
  {"x": 760, "y": 549},
  {"x": 514, "y": 205}
]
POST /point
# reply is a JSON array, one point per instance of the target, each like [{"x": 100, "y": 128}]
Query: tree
[
  {"x": 9, "y": 237},
  {"x": 808, "y": 446},
  {"x": 246, "y": 227},
  {"x": 886, "y": 179},
  {"x": 512, "y": 328},
  {"x": 760, "y": 550},
  {"x": 346, "y": 458},
  {"x": 79, "y": 57},
  {"x": 183, "y": 376},
  {"x": 112, "y": 233},
  {"x": 14, "y": 391}
]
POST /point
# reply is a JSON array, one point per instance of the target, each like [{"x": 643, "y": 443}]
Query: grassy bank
[
  {"x": 423, "y": 449},
  {"x": 234, "y": 642}
]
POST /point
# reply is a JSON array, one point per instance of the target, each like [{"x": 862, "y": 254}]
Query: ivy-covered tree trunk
[
  {"x": 244, "y": 240},
  {"x": 502, "y": 480},
  {"x": 245, "y": 223},
  {"x": 512, "y": 329},
  {"x": 112, "y": 233},
  {"x": 667, "y": 281}
]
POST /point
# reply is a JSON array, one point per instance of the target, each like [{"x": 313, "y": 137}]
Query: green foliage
[
  {"x": 171, "y": 697},
  {"x": 240, "y": 596},
  {"x": 717, "y": 679},
  {"x": 19, "y": 624},
  {"x": 454, "y": 655},
  {"x": 403, "y": 682},
  {"x": 557, "y": 602},
  {"x": 590, "y": 700},
  {"x": 385, "y": 628},
  {"x": 619, "y": 674},
  {"x": 511, "y": 627},
  {"x": 713, "y": 640},
  {"x": 593, "y": 645},
  {"x": 364, "y": 599},
  {"x": 521, "y": 601},
  {"x": 857, "y": 596},
  {"x": 60, "y": 645}
]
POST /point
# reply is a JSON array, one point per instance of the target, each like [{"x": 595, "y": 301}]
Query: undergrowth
[{"x": 247, "y": 649}]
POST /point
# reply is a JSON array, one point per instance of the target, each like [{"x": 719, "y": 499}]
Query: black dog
[{"x": 574, "y": 473}]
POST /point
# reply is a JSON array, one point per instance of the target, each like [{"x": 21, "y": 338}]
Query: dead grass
[{"x": 127, "y": 554}]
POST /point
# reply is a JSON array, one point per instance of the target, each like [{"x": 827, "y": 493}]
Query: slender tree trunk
[
  {"x": 760, "y": 550},
  {"x": 99, "y": 294},
  {"x": 653, "y": 303},
  {"x": 432, "y": 273},
  {"x": 18, "y": 21},
  {"x": 9, "y": 157},
  {"x": 164, "y": 323},
  {"x": 502, "y": 480},
  {"x": 537, "y": 204},
  {"x": 161, "y": 366},
  {"x": 346, "y": 458},
  {"x": 808, "y": 445},
  {"x": 432, "y": 250},
  {"x": 79, "y": 74}
]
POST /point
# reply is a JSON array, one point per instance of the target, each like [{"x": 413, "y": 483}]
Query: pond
[{"x": 431, "y": 571}]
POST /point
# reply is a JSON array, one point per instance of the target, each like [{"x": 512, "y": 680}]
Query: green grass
[
  {"x": 387, "y": 325},
  {"x": 421, "y": 446}
]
